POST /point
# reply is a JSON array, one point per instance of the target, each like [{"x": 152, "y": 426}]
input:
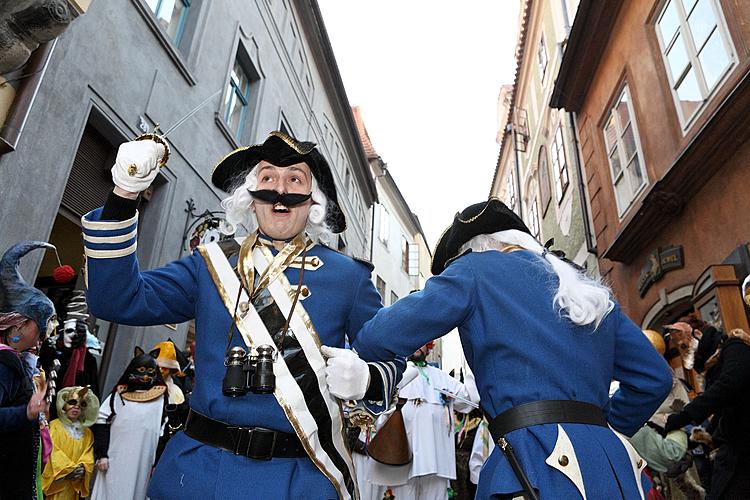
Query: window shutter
[
  {"x": 90, "y": 180},
  {"x": 413, "y": 259}
]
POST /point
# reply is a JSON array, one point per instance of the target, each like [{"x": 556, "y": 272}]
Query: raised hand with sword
[{"x": 131, "y": 174}]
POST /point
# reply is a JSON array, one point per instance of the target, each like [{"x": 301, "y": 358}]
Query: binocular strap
[{"x": 301, "y": 388}]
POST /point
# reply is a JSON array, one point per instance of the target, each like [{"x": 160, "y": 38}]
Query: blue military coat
[
  {"x": 520, "y": 351},
  {"x": 341, "y": 298}
]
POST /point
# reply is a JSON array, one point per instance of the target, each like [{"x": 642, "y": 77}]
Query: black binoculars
[{"x": 246, "y": 372}]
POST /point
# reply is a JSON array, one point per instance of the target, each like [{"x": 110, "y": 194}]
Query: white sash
[{"x": 288, "y": 393}]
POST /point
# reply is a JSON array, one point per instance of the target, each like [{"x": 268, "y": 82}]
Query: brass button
[
  {"x": 305, "y": 291},
  {"x": 563, "y": 460},
  {"x": 640, "y": 463},
  {"x": 243, "y": 307},
  {"x": 132, "y": 169}
]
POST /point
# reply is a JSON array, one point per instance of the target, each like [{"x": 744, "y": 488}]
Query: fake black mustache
[{"x": 286, "y": 199}]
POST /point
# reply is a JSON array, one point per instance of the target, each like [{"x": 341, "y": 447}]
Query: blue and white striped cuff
[
  {"x": 388, "y": 374},
  {"x": 108, "y": 239}
]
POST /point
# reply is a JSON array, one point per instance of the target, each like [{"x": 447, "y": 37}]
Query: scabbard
[{"x": 507, "y": 450}]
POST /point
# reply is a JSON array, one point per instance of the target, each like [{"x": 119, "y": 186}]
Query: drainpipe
[
  {"x": 517, "y": 169},
  {"x": 590, "y": 242}
]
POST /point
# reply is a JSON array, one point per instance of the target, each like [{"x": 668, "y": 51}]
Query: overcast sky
[{"x": 426, "y": 75}]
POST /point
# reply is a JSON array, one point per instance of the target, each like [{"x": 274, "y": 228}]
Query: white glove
[
  {"x": 410, "y": 374},
  {"x": 347, "y": 376},
  {"x": 137, "y": 164}
]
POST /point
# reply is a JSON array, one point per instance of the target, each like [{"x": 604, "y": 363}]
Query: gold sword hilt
[{"x": 154, "y": 136}]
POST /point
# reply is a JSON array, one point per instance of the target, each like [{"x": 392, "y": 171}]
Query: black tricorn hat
[
  {"x": 282, "y": 151},
  {"x": 486, "y": 217}
]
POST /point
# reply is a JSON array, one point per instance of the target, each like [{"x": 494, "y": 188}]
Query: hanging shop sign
[{"x": 661, "y": 260}]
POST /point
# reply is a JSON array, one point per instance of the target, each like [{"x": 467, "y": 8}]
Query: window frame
[
  {"x": 684, "y": 33},
  {"x": 183, "y": 55},
  {"x": 624, "y": 89},
  {"x": 404, "y": 255},
  {"x": 180, "y": 24},
  {"x": 384, "y": 229},
  {"x": 545, "y": 190},
  {"x": 535, "y": 225},
  {"x": 542, "y": 65},
  {"x": 510, "y": 189},
  {"x": 381, "y": 287},
  {"x": 555, "y": 152},
  {"x": 232, "y": 93},
  {"x": 251, "y": 109}
]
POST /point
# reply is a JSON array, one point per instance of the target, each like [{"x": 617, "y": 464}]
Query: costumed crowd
[{"x": 300, "y": 384}]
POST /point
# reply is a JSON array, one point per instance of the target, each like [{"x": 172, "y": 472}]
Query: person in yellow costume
[{"x": 67, "y": 475}]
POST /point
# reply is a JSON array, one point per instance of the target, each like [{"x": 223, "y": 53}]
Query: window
[
  {"x": 544, "y": 187},
  {"x": 404, "y": 254},
  {"x": 384, "y": 225},
  {"x": 380, "y": 285},
  {"x": 394, "y": 298},
  {"x": 559, "y": 164},
  {"x": 534, "y": 218},
  {"x": 413, "y": 259},
  {"x": 510, "y": 189},
  {"x": 284, "y": 126},
  {"x": 697, "y": 51},
  {"x": 623, "y": 150},
  {"x": 542, "y": 58},
  {"x": 171, "y": 16},
  {"x": 236, "y": 100}
]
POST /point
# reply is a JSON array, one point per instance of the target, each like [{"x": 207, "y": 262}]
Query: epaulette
[{"x": 367, "y": 263}]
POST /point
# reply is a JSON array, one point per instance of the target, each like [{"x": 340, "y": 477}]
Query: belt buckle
[{"x": 256, "y": 444}]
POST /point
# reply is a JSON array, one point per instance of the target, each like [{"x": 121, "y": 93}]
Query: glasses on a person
[{"x": 75, "y": 402}]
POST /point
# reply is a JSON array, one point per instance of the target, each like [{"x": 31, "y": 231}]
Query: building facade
[
  {"x": 128, "y": 65},
  {"x": 398, "y": 247},
  {"x": 661, "y": 91},
  {"x": 539, "y": 173}
]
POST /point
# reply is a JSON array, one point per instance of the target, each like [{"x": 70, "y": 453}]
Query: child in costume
[
  {"x": 128, "y": 429},
  {"x": 67, "y": 474}
]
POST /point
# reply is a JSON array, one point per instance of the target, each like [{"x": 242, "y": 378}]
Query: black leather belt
[
  {"x": 546, "y": 412},
  {"x": 253, "y": 442}
]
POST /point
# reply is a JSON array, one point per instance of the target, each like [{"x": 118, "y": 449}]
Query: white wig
[
  {"x": 579, "y": 298},
  {"x": 241, "y": 213}
]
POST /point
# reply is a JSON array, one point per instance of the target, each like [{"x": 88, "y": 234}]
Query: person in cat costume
[{"x": 127, "y": 430}]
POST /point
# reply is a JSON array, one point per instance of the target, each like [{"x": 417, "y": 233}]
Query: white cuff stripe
[
  {"x": 97, "y": 225},
  {"x": 110, "y": 254},
  {"x": 390, "y": 371},
  {"x": 110, "y": 239}
]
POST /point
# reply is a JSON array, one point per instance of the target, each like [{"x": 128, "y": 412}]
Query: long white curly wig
[
  {"x": 579, "y": 298},
  {"x": 240, "y": 211}
]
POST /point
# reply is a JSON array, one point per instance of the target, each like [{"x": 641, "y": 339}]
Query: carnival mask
[
  {"x": 74, "y": 333},
  {"x": 142, "y": 373},
  {"x": 81, "y": 398}
]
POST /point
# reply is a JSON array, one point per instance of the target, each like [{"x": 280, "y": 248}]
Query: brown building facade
[{"x": 661, "y": 92}]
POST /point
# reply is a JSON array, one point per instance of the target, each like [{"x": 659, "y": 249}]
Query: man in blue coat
[
  {"x": 267, "y": 305},
  {"x": 544, "y": 342}
]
